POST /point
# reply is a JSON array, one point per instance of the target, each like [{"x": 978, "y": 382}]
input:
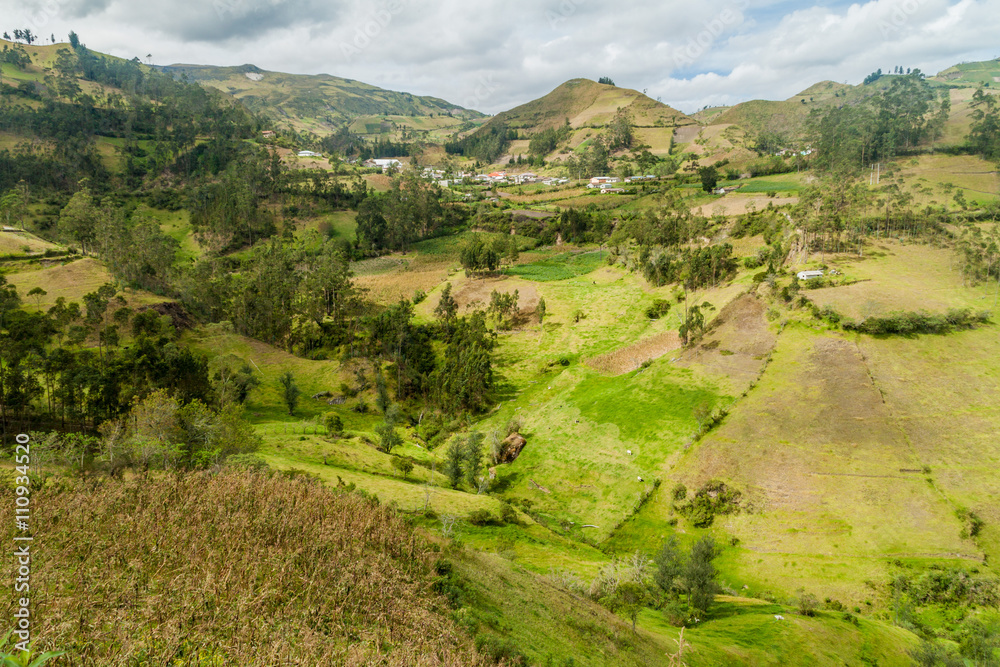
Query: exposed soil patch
[
  {"x": 737, "y": 344},
  {"x": 181, "y": 318},
  {"x": 630, "y": 358}
]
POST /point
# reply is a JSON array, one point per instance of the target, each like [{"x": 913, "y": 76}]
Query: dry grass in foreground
[{"x": 233, "y": 568}]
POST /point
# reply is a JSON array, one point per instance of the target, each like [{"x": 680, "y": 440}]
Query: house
[
  {"x": 308, "y": 154},
  {"x": 808, "y": 275},
  {"x": 600, "y": 180},
  {"x": 613, "y": 191},
  {"x": 385, "y": 164},
  {"x": 267, "y": 134}
]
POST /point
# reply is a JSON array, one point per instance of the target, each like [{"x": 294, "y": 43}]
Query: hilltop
[
  {"x": 586, "y": 103},
  {"x": 570, "y": 119},
  {"x": 323, "y": 103}
]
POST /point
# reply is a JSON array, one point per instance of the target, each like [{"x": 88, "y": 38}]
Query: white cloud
[{"x": 498, "y": 55}]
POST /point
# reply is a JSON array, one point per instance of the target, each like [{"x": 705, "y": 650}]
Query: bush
[
  {"x": 658, "y": 309},
  {"x": 500, "y": 650},
  {"x": 508, "y": 514},
  {"x": 680, "y": 491},
  {"x": 334, "y": 424},
  {"x": 482, "y": 517},
  {"x": 713, "y": 498},
  {"x": 909, "y": 323},
  {"x": 807, "y": 604}
]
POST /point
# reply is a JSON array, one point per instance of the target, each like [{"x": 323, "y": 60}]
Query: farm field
[
  {"x": 72, "y": 280},
  {"x": 887, "y": 276},
  {"x": 24, "y": 243}
]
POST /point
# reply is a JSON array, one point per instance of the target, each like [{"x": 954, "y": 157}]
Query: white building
[
  {"x": 807, "y": 275},
  {"x": 385, "y": 164}
]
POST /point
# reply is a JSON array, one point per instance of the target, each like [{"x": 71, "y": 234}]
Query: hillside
[
  {"x": 323, "y": 103},
  {"x": 586, "y": 103},
  {"x": 785, "y": 116},
  {"x": 973, "y": 75}
]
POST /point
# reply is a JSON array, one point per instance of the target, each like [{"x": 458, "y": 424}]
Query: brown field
[
  {"x": 474, "y": 294},
  {"x": 379, "y": 182},
  {"x": 736, "y": 346},
  {"x": 737, "y": 204},
  {"x": 628, "y": 359},
  {"x": 314, "y": 553},
  {"x": 391, "y": 287}
]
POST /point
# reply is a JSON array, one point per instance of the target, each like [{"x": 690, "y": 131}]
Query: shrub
[
  {"x": 909, "y": 323},
  {"x": 807, "y": 604},
  {"x": 334, "y": 424},
  {"x": 482, "y": 517},
  {"x": 680, "y": 491},
  {"x": 658, "y": 309},
  {"x": 500, "y": 650},
  {"x": 713, "y": 498},
  {"x": 508, "y": 514}
]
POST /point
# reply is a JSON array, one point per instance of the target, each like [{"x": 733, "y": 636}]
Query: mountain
[
  {"x": 586, "y": 103},
  {"x": 588, "y": 108},
  {"x": 323, "y": 103}
]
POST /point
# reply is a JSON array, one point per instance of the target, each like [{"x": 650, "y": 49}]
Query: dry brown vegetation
[{"x": 232, "y": 568}]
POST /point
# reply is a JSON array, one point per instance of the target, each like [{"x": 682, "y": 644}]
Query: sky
[{"x": 492, "y": 56}]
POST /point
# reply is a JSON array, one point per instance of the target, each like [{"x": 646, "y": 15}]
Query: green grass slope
[{"x": 971, "y": 74}]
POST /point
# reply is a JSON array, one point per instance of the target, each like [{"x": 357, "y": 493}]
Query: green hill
[
  {"x": 786, "y": 116},
  {"x": 323, "y": 103},
  {"x": 986, "y": 73}
]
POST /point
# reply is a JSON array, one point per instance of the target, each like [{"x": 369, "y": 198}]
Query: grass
[
  {"x": 822, "y": 460},
  {"x": 740, "y": 631},
  {"x": 72, "y": 280},
  {"x": 560, "y": 267},
  {"x": 24, "y": 244},
  {"x": 177, "y": 225},
  {"x": 934, "y": 179},
  {"x": 888, "y": 274},
  {"x": 942, "y": 389}
]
